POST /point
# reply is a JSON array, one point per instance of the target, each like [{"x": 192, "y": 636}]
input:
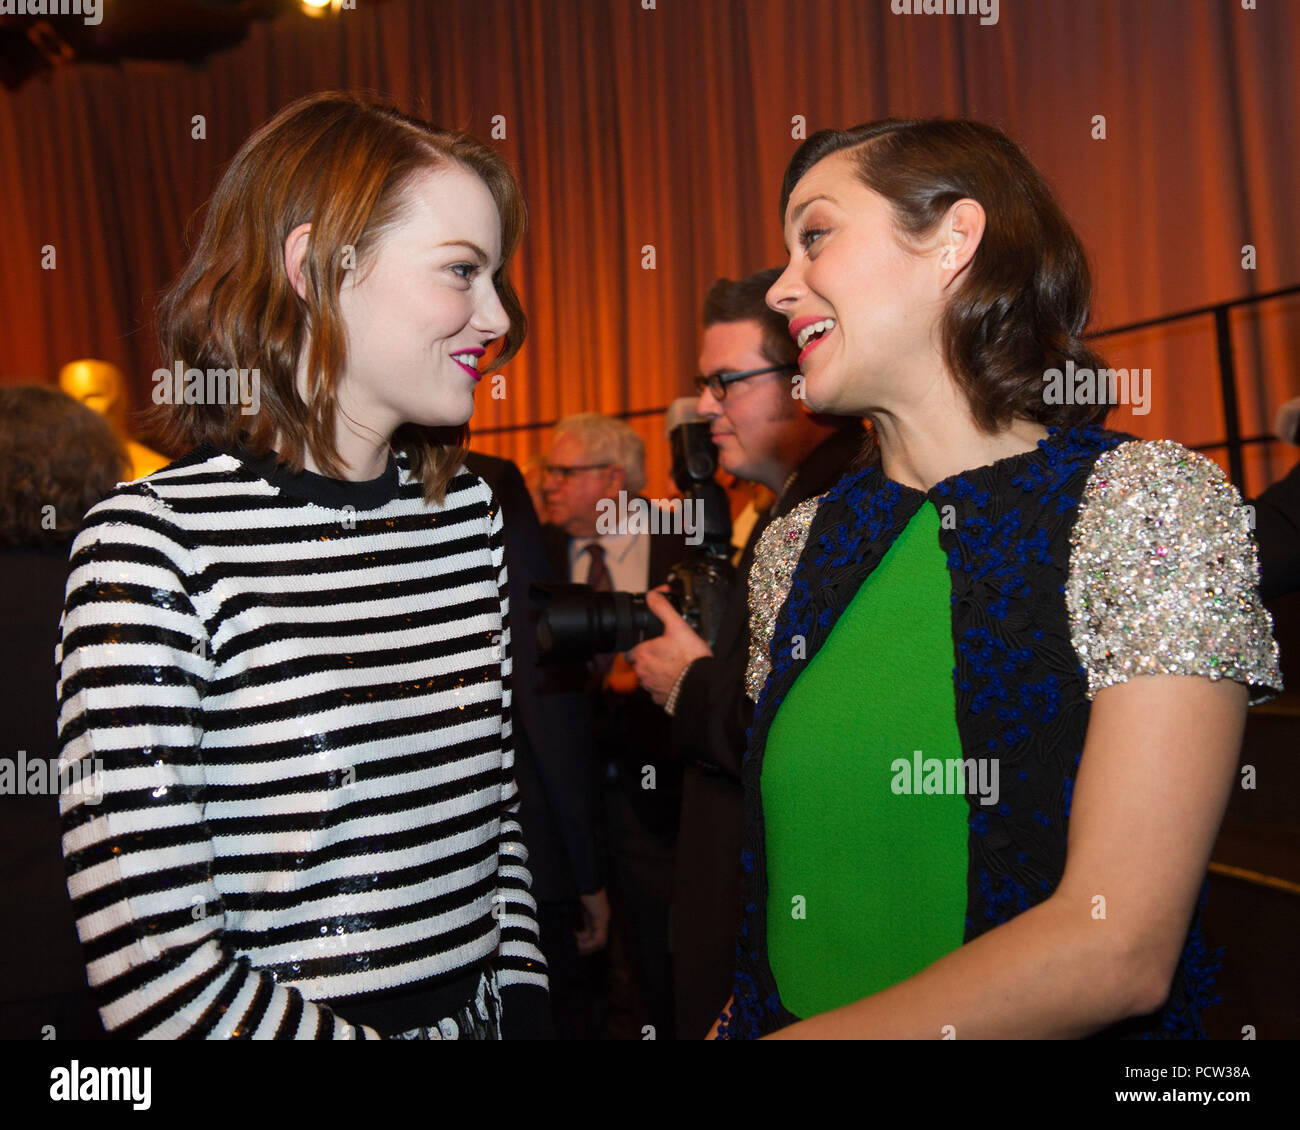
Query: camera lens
[{"x": 576, "y": 623}]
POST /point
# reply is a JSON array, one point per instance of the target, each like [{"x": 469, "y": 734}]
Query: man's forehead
[
  {"x": 566, "y": 441},
  {"x": 731, "y": 345}
]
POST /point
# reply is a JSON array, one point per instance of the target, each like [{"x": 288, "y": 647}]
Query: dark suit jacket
[
  {"x": 631, "y": 731},
  {"x": 1277, "y": 533},
  {"x": 555, "y": 764},
  {"x": 708, "y": 730},
  {"x": 42, "y": 965}
]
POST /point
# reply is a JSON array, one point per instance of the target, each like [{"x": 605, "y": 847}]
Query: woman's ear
[
  {"x": 963, "y": 229},
  {"x": 295, "y": 251}
]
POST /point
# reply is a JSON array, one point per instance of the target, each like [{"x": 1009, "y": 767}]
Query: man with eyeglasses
[
  {"x": 764, "y": 434},
  {"x": 591, "y": 458}
]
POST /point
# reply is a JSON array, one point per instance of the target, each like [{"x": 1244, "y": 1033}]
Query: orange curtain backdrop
[{"x": 669, "y": 129}]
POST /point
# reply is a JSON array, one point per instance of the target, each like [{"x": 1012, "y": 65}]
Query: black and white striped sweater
[{"x": 293, "y": 690}]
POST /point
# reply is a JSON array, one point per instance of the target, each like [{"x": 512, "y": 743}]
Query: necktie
[
  {"x": 598, "y": 579},
  {"x": 598, "y": 574}
]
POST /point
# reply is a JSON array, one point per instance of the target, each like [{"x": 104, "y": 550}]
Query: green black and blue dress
[{"x": 924, "y": 665}]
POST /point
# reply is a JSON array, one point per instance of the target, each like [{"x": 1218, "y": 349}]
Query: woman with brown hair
[
  {"x": 287, "y": 653},
  {"x": 1017, "y": 624}
]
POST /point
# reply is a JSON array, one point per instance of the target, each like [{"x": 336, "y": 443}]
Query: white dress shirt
[{"x": 627, "y": 557}]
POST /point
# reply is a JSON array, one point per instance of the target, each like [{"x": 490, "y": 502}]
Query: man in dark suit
[
  {"x": 1277, "y": 518},
  {"x": 594, "y": 468},
  {"x": 764, "y": 434},
  {"x": 555, "y": 768}
]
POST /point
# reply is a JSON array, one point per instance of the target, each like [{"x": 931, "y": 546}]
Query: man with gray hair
[{"x": 593, "y": 458}]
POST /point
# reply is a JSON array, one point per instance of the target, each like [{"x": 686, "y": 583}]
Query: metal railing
[{"x": 1234, "y": 441}]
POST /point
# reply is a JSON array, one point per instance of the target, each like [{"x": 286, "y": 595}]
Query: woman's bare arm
[{"x": 1157, "y": 768}]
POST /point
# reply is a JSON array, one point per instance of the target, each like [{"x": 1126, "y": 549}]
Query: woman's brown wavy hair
[
  {"x": 341, "y": 162},
  {"x": 57, "y": 453},
  {"x": 1026, "y": 297}
]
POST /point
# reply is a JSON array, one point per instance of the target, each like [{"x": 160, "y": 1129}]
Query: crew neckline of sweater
[{"x": 323, "y": 490}]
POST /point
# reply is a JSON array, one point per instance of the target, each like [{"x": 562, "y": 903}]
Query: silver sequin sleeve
[
  {"x": 775, "y": 558},
  {"x": 1163, "y": 576}
]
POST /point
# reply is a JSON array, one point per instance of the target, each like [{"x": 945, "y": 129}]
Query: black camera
[{"x": 575, "y": 622}]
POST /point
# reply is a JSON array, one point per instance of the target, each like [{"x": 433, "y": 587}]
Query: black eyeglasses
[
  {"x": 717, "y": 383},
  {"x": 566, "y": 473}
]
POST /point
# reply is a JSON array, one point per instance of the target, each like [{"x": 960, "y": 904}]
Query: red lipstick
[{"x": 472, "y": 372}]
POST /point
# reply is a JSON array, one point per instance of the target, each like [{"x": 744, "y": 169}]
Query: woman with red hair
[{"x": 287, "y": 653}]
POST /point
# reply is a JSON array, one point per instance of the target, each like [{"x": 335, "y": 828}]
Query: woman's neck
[
  {"x": 923, "y": 444},
  {"x": 361, "y": 458},
  {"x": 362, "y": 451}
]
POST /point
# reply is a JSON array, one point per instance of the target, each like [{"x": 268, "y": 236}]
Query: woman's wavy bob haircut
[
  {"x": 343, "y": 163},
  {"x": 1025, "y": 299}
]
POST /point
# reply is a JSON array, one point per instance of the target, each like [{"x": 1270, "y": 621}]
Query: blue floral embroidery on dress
[
  {"x": 873, "y": 513},
  {"x": 1003, "y": 897}
]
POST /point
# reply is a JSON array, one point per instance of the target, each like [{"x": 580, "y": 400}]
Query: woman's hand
[{"x": 594, "y": 932}]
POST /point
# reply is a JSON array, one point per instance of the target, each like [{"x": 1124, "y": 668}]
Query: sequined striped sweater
[{"x": 288, "y": 696}]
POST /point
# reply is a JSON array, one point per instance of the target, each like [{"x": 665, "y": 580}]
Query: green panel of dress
[{"x": 867, "y": 886}]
